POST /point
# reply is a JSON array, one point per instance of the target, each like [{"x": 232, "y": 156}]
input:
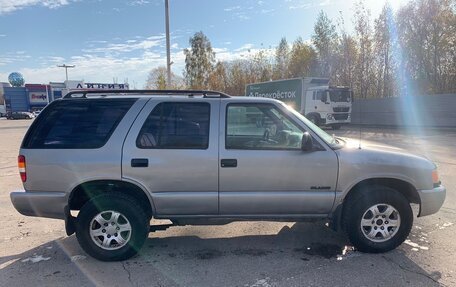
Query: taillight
[
  {"x": 21, "y": 165},
  {"x": 435, "y": 178}
]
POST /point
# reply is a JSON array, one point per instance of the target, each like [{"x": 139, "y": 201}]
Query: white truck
[{"x": 321, "y": 103}]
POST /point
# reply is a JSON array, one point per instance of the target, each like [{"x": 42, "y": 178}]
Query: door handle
[
  {"x": 228, "y": 162},
  {"x": 139, "y": 162}
]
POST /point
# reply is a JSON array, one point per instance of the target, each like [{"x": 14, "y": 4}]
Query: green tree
[
  {"x": 218, "y": 79},
  {"x": 363, "y": 68},
  {"x": 324, "y": 40},
  {"x": 199, "y": 61},
  {"x": 237, "y": 77},
  {"x": 383, "y": 47},
  {"x": 260, "y": 67},
  {"x": 302, "y": 60},
  {"x": 344, "y": 58},
  {"x": 282, "y": 57},
  {"x": 156, "y": 80},
  {"x": 427, "y": 32}
]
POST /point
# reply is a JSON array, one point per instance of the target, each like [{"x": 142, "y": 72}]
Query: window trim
[
  {"x": 176, "y": 148},
  {"x": 256, "y": 148}
]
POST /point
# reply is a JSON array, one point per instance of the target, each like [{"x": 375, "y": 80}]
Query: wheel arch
[
  {"x": 404, "y": 187},
  {"x": 314, "y": 114},
  {"x": 89, "y": 189}
]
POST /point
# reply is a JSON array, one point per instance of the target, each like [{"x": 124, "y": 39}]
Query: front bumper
[
  {"x": 336, "y": 118},
  {"x": 431, "y": 200},
  {"x": 41, "y": 204}
]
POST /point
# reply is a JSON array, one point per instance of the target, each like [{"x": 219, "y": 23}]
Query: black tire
[
  {"x": 358, "y": 204},
  {"x": 336, "y": 127},
  {"x": 314, "y": 119},
  {"x": 130, "y": 209}
]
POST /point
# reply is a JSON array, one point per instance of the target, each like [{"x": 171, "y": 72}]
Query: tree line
[{"x": 410, "y": 51}]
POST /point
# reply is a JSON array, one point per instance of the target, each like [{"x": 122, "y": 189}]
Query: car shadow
[{"x": 299, "y": 254}]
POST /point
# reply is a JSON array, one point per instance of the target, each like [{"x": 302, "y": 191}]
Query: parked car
[
  {"x": 20, "y": 115},
  {"x": 199, "y": 157},
  {"x": 36, "y": 113}
]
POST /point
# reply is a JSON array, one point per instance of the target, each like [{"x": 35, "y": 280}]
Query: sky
[{"x": 118, "y": 41}]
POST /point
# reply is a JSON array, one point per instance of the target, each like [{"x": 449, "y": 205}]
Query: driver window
[{"x": 260, "y": 126}]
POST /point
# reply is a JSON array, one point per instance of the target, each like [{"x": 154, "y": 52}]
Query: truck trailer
[{"x": 314, "y": 98}]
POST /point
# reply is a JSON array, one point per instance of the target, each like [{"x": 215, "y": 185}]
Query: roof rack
[{"x": 104, "y": 93}]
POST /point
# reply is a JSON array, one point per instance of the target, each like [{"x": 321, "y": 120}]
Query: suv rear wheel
[
  {"x": 378, "y": 219},
  {"x": 112, "y": 227}
]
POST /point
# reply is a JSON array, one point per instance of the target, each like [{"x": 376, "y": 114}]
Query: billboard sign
[
  {"x": 287, "y": 91},
  {"x": 38, "y": 97},
  {"x": 79, "y": 85}
]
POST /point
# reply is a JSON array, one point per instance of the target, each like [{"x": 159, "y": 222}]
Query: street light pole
[
  {"x": 66, "y": 69},
  {"x": 168, "y": 55}
]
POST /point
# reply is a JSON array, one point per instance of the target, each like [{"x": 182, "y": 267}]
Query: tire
[
  {"x": 127, "y": 214},
  {"x": 314, "y": 119},
  {"x": 336, "y": 127},
  {"x": 367, "y": 235}
]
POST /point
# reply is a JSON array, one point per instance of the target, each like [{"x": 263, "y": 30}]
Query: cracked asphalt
[{"x": 36, "y": 251}]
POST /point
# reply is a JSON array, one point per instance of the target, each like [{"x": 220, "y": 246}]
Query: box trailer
[{"x": 321, "y": 103}]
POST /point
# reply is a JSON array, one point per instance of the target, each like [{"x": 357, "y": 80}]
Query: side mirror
[{"x": 306, "y": 142}]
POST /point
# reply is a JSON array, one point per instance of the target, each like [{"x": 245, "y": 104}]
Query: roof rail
[{"x": 104, "y": 93}]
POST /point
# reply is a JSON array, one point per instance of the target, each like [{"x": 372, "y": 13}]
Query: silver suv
[{"x": 119, "y": 159}]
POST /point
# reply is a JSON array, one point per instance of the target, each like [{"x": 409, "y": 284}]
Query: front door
[
  {"x": 172, "y": 151},
  {"x": 263, "y": 170}
]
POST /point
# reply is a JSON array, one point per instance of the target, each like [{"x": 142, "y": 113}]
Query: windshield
[
  {"x": 329, "y": 139},
  {"x": 340, "y": 95}
]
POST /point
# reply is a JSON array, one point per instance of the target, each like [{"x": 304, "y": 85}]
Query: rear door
[{"x": 172, "y": 151}]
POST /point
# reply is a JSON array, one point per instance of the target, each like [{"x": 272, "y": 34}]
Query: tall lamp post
[
  {"x": 168, "y": 54},
  {"x": 66, "y": 69}
]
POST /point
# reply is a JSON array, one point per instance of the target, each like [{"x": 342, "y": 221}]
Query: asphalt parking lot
[{"x": 36, "y": 251}]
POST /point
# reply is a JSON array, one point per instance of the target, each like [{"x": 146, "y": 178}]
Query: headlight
[
  {"x": 329, "y": 117},
  {"x": 435, "y": 178}
]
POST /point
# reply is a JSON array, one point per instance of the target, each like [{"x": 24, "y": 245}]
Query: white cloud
[
  {"x": 306, "y": 4},
  {"x": 244, "y": 47},
  {"x": 266, "y": 11},
  {"x": 7, "y": 6},
  {"x": 103, "y": 67},
  {"x": 9, "y": 58},
  {"x": 233, "y": 8},
  {"x": 127, "y": 46},
  {"x": 139, "y": 2}
]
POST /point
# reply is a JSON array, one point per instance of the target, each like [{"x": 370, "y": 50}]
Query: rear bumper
[
  {"x": 41, "y": 204},
  {"x": 431, "y": 200}
]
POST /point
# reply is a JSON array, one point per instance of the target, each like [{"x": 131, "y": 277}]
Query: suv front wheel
[
  {"x": 112, "y": 227},
  {"x": 377, "y": 219}
]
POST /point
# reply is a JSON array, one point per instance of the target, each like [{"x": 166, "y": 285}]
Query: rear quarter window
[{"x": 76, "y": 124}]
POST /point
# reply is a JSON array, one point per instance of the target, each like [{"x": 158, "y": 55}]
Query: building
[{"x": 34, "y": 97}]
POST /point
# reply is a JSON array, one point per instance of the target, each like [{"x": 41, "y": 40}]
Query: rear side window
[
  {"x": 175, "y": 125},
  {"x": 76, "y": 124}
]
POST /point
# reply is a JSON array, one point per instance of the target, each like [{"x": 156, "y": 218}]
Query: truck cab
[{"x": 328, "y": 106}]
